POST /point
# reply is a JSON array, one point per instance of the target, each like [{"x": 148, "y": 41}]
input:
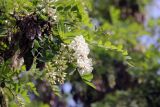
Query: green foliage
[
  {"x": 34, "y": 46},
  {"x": 55, "y": 24}
]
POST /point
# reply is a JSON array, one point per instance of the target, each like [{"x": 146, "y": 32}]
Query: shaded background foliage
[{"x": 121, "y": 78}]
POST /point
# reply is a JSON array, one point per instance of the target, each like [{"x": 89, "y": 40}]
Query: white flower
[
  {"x": 52, "y": 13},
  {"x": 16, "y": 61},
  {"x": 81, "y": 54}
]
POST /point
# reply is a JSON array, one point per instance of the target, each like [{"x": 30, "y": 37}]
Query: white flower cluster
[
  {"x": 81, "y": 54},
  {"x": 51, "y": 77}
]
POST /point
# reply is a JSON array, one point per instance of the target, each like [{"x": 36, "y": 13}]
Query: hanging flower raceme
[
  {"x": 20, "y": 101},
  {"x": 81, "y": 52}
]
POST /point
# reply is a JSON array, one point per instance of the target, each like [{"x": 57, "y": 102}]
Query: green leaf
[
  {"x": 87, "y": 77},
  {"x": 23, "y": 68},
  {"x": 30, "y": 84},
  {"x": 100, "y": 42},
  {"x": 43, "y": 17},
  {"x": 90, "y": 84},
  {"x": 125, "y": 53},
  {"x": 108, "y": 44},
  {"x": 36, "y": 44},
  {"x": 119, "y": 47}
]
